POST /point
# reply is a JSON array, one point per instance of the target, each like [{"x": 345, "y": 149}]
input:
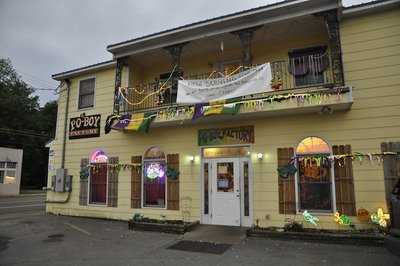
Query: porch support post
[
  {"x": 332, "y": 25},
  {"x": 118, "y": 78},
  {"x": 246, "y": 36},
  {"x": 175, "y": 52}
]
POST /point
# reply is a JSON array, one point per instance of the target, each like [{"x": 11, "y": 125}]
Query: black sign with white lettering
[{"x": 84, "y": 126}]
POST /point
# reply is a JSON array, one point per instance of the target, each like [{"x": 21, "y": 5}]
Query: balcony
[{"x": 302, "y": 73}]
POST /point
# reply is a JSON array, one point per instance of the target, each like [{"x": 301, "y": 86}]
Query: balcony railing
[{"x": 299, "y": 72}]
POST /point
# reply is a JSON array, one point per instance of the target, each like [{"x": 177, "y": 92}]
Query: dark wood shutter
[
  {"x": 391, "y": 169},
  {"x": 136, "y": 183},
  {"x": 83, "y": 184},
  {"x": 344, "y": 181},
  {"x": 112, "y": 183},
  {"x": 287, "y": 193},
  {"x": 173, "y": 185}
]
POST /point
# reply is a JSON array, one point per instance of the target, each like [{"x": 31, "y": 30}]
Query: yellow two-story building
[{"x": 156, "y": 131}]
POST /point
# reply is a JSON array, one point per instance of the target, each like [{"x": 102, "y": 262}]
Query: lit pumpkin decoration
[{"x": 363, "y": 215}]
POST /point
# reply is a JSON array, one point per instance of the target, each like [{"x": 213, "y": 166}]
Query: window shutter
[
  {"x": 136, "y": 183},
  {"x": 344, "y": 182},
  {"x": 391, "y": 169},
  {"x": 287, "y": 193},
  {"x": 173, "y": 184},
  {"x": 112, "y": 183},
  {"x": 83, "y": 184}
]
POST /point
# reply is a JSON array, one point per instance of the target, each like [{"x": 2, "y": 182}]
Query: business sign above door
[
  {"x": 226, "y": 136},
  {"x": 84, "y": 126}
]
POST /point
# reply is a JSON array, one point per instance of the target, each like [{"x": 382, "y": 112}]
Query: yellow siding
[{"x": 371, "y": 56}]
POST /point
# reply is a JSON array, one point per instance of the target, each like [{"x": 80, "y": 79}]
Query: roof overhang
[
  {"x": 370, "y": 7},
  {"x": 84, "y": 70},
  {"x": 246, "y": 19}
]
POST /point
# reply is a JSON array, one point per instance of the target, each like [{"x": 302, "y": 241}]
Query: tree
[{"x": 24, "y": 124}]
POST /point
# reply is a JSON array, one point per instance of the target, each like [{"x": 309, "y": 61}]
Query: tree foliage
[{"x": 24, "y": 124}]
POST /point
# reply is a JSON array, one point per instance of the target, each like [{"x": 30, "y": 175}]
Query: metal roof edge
[
  {"x": 85, "y": 69},
  {"x": 369, "y": 7}
]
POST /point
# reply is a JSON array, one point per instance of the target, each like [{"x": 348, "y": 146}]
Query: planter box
[
  {"x": 172, "y": 228},
  {"x": 321, "y": 236}
]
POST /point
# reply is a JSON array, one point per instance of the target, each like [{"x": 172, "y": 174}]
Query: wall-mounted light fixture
[
  {"x": 191, "y": 158},
  {"x": 260, "y": 156}
]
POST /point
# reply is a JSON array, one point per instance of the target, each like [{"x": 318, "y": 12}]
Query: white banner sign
[{"x": 254, "y": 80}]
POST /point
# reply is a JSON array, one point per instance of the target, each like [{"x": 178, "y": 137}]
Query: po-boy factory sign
[{"x": 84, "y": 126}]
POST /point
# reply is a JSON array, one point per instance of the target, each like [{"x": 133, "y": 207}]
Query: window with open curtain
[
  {"x": 314, "y": 178},
  {"x": 154, "y": 178}
]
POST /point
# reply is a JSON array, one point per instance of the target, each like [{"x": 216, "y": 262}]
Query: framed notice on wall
[
  {"x": 226, "y": 136},
  {"x": 84, "y": 126}
]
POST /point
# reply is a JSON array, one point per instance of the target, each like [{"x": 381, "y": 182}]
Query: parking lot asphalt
[{"x": 28, "y": 236}]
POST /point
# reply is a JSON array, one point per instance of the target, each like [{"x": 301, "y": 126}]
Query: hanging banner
[
  {"x": 252, "y": 81},
  {"x": 226, "y": 136},
  {"x": 84, "y": 126}
]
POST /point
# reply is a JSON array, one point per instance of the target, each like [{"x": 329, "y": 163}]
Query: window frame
[
  {"x": 79, "y": 93},
  {"x": 144, "y": 160},
  {"x": 89, "y": 191},
  {"x": 6, "y": 169},
  {"x": 296, "y": 180},
  {"x": 308, "y": 51}
]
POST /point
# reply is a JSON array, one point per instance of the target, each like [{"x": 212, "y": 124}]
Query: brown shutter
[
  {"x": 83, "y": 184},
  {"x": 112, "y": 183},
  {"x": 344, "y": 183},
  {"x": 136, "y": 183},
  {"x": 391, "y": 169},
  {"x": 287, "y": 194},
  {"x": 173, "y": 185}
]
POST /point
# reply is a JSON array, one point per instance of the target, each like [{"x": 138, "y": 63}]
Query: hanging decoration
[
  {"x": 363, "y": 215},
  {"x": 154, "y": 170},
  {"x": 287, "y": 170},
  {"x": 172, "y": 173},
  {"x": 135, "y": 122},
  {"x": 308, "y": 217},
  {"x": 380, "y": 218},
  {"x": 342, "y": 219}
]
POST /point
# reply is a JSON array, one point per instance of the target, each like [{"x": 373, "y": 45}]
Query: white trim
[
  {"x": 79, "y": 71},
  {"x": 88, "y": 198},
  {"x": 368, "y": 7},
  {"x": 79, "y": 92}
]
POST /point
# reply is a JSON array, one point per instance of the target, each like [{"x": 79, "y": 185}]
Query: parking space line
[{"x": 78, "y": 229}]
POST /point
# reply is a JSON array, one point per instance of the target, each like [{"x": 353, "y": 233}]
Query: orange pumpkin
[{"x": 363, "y": 215}]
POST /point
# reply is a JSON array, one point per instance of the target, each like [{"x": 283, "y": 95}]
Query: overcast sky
[{"x": 44, "y": 37}]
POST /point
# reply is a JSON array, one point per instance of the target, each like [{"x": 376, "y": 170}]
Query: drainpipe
[{"x": 68, "y": 82}]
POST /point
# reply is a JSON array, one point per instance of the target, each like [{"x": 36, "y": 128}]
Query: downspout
[{"x": 68, "y": 82}]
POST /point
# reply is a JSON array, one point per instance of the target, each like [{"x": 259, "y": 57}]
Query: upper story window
[
  {"x": 154, "y": 178},
  {"x": 308, "y": 65},
  {"x": 314, "y": 177},
  {"x": 86, "y": 93},
  {"x": 7, "y": 172}
]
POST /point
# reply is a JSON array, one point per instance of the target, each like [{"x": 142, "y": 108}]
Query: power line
[
  {"x": 23, "y": 133},
  {"x": 35, "y": 78}
]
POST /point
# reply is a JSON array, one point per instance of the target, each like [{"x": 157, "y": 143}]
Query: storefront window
[
  {"x": 225, "y": 178},
  {"x": 7, "y": 172},
  {"x": 154, "y": 178},
  {"x": 98, "y": 178},
  {"x": 314, "y": 175}
]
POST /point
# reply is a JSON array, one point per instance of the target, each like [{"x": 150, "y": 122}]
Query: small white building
[{"x": 10, "y": 171}]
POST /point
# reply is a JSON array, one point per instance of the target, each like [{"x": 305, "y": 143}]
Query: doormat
[{"x": 199, "y": 246}]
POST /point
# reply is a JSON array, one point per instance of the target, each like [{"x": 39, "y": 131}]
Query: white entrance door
[{"x": 225, "y": 192}]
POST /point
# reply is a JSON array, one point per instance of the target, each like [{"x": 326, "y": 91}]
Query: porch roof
[{"x": 228, "y": 23}]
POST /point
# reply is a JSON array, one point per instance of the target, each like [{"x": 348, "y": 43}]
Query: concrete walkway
[{"x": 217, "y": 234}]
